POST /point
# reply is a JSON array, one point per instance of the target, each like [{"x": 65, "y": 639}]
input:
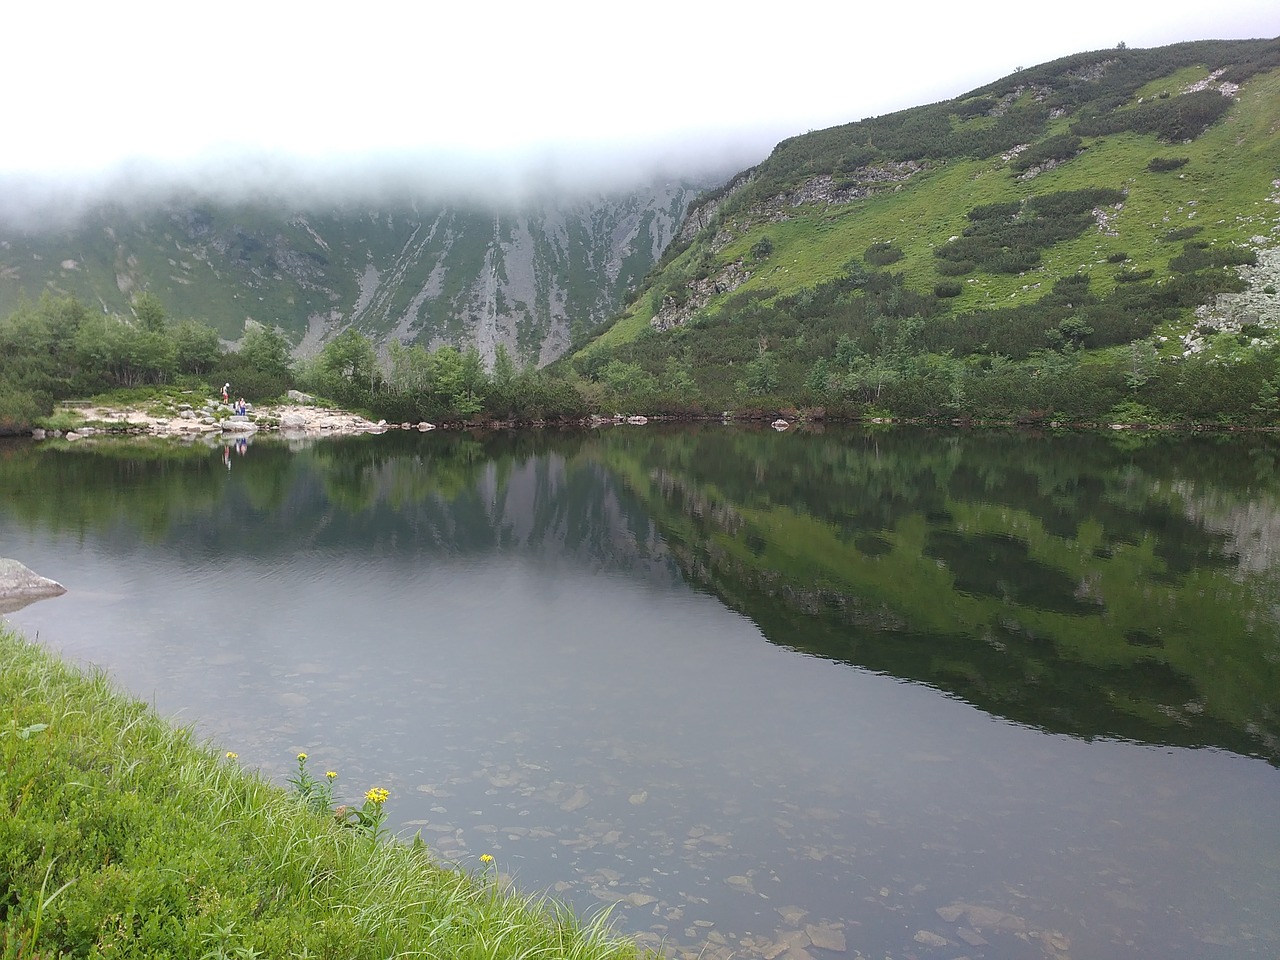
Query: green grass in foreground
[{"x": 121, "y": 837}]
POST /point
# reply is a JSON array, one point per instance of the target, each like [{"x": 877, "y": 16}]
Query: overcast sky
[{"x": 488, "y": 84}]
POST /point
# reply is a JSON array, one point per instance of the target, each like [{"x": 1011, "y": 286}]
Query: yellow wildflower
[
  {"x": 232, "y": 755},
  {"x": 486, "y": 858},
  {"x": 377, "y": 796},
  {"x": 331, "y": 774},
  {"x": 302, "y": 757}
]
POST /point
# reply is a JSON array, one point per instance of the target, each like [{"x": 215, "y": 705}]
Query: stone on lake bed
[
  {"x": 929, "y": 939},
  {"x": 792, "y": 915},
  {"x": 576, "y": 802},
  {"x": 982, "y": 918},
  {"x": 827, "y": 936},
  {"x": 741, "y": 883},
  {"x": 790, "y": 945},
  {"x": 972, "y": 937}
]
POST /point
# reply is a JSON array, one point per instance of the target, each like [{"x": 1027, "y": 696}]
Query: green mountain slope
[
  {"x": 532, "y": 278},
  {"x": 1069, "y": 218}
]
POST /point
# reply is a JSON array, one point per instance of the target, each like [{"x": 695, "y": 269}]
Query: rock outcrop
[{"x": 20, "y": 586}]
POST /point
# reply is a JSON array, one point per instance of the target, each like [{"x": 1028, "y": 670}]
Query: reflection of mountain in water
[
  {"x": 1062, "y": 583},
  {"x": 393, "y": 496}
]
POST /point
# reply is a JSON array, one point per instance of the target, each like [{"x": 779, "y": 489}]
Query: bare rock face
[{"x": 20, "y": 586}]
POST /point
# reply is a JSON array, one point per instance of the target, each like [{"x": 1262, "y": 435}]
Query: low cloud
[{"x": 39, "y": 203}]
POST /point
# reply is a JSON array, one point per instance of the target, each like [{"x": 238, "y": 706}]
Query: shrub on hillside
[
  {"x": 972, "y": 108},
  {"x": 1195, "y": 257},
  {"x": 1165, "y": 164},
  {"x": 1057, "y": 149},
  {"x": 1132, "y": 276},
  {"x": 995, "y": 211},
  {"x": 882, "y": 254},
  {"x": 956, "y": 268},
  {"x": 947, "y": 288},
  {"x": 1183, "y": 117},
  {"x": 1008, "y": 237}
]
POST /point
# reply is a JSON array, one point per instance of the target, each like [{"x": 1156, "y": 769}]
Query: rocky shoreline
[{"x": 299, "y": 418}]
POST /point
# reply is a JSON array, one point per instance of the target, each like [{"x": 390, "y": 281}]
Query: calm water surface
[{"x": 804, "y": 695}]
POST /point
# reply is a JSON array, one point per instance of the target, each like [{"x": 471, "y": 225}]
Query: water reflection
[{"x": 502, "y": 631}]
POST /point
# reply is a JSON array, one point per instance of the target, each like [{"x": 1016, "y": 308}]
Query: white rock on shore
[
  {"x": 294, "y": 421},
  {"x": 20, "y": 586}
]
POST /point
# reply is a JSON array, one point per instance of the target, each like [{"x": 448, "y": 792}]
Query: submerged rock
[{"x": 20, "y": 586}]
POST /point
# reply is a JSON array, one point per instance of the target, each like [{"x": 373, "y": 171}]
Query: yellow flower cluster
[
  {"x": 377, "y": 796},
  {"x": 331, "y": 774},
  {"x": 232, "y": 755},
  {"x": 302, "y": 757},
  {"x": 486, "y": 858}
]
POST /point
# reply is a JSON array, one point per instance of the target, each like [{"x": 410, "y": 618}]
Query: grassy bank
[{"x": 121, "y": 836}]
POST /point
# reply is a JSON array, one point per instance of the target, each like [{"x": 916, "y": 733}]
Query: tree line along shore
[{"x": 56, "y": 349}]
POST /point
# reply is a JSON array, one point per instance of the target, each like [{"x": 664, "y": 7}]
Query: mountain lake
[{"x": 823, "y": 693}]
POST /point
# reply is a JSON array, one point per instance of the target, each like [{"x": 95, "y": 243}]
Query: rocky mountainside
[{"x": 533, "y": 277}]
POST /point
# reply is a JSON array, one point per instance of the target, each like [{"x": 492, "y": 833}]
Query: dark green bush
[
  {"x": 1183, "y": 117},
  {"x": 1008, "y": 237},
  {"x": 995, "y": 211},
  {"x": 1196, "y": 256},
  {"x": 973, "y": 108},
  {"x": 1132, "y": 276},
  {"x": 1165, "y": 164},
  {"x": 1059, "y": 148},
  {"x": 882, "y": 254}
]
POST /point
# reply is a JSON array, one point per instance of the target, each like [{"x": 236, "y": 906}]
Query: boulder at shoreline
[{"x": 20, "y": 586}]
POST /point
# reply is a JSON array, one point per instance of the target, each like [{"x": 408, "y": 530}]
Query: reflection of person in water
[
  {"x": 226, "y": 455},
  {"x": 242, "y": 444}
]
